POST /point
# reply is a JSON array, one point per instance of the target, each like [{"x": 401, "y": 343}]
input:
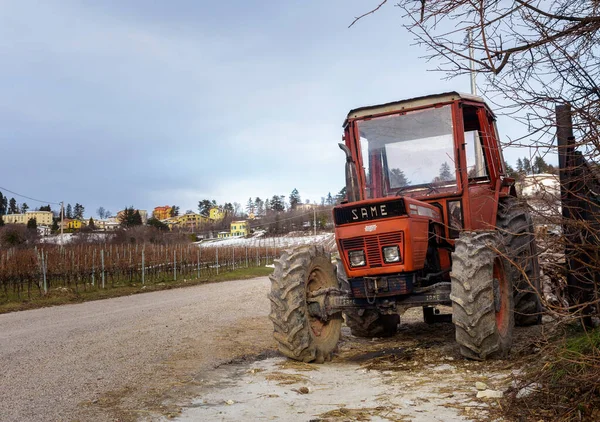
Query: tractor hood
[{"x": 385, "y": 208}]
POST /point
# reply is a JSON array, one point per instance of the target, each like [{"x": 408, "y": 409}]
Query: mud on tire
[
  {"x": 516, "y": 228},
  {"x": 299, "y": 335},
  {"x": 482, "y": 299},
  {"x": 366, "y": 322}
]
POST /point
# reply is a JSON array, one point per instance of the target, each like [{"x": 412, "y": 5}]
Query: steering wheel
[{"x": 432, "y": 189}]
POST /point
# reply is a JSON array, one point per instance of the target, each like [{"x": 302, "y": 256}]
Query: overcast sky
[{"x": 119, "y": 103}]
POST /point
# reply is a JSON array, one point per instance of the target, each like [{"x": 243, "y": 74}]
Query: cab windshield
[{"x": 410, "y": 152}]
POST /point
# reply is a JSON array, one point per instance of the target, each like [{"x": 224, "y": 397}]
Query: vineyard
[{"x": 25, "y": 273}]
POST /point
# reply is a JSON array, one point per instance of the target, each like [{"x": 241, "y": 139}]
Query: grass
[
  {"x": 63, "y": 295},
  {"x": 566, "y": 376}
]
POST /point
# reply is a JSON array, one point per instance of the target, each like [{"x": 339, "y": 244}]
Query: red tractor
[{"x": 431, "y": 219}]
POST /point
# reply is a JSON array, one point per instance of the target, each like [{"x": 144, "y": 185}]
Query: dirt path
[
  {"x": 206, "y": 353},
  {"x": 418, "y": 375},
  {"x": 126, "y": 357}
]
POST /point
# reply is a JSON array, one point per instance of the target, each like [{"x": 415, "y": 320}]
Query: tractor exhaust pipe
[{"x": 351, "y": 175}]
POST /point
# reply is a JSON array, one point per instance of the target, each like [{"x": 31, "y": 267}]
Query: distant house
[
  {"x": 72, "y": 224},
  {"x": 42, "y": 218},
  {"x": 108, "y": 224},
  {"x": 191, "y": 220},
  {"x": 239, "y": 228},
  {"x": 305, "y": 207},
  {"x": 216, "y": 213},
  {"x": 162, "y": 213}
]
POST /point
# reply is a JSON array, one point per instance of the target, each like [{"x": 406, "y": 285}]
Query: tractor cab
[{"x": 440, "y": 149}]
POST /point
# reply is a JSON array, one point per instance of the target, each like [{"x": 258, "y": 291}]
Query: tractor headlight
[
  {"x": 391, "y": 254},
  {"x": 357, "y": 258}
]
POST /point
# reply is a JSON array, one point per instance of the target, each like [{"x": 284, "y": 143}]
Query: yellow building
[
  {"x": 239, "y": 228},
  {"x": 72, "y": 224},
  {"x": 42, "y": 218},
  {"x": 162, "y": 213},
  {"x": 216, "y": 213},
  {"x": 191, "y": 220}
]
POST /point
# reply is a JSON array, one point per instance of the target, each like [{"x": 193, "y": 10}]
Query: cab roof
[{"x": 410, "y": 103}]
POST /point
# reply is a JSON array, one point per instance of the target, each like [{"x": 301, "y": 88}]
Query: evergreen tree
[
  {"x": 540, "y": 165},
  {"x": 250, "y": 206},
  {"x": 155, "y": 222},
  {"x": 54, "y": 224},
  {"x": 510, "y": 172},
  {"x": 341, "y": 196},
  {"x": 446, "y": 173},
  {"x": 24, "y": 207},
  {"x": 1, "y": 220},
  {"x": 520, "y": 166},
  {"x": 78, "y": 211},
  {"x": 205, "y": 205},
  {"x": 137, "y": 218},
  {"x": 12, "y": 206},
  {"x": 32, "y": 224},
  {"x": 69, "y": 211},
  {"x": 260, "y": 206},
  {"x": 526, "y": 165},
  {"x": 2, "y": 204},
  {"x": 398, "y": 179},
  {"x": 130, "y": 217},
  {"x": 228, "y": 208},
  {"x": 277, "y": 203},
  {"x": 46, "y": 208},
  {"x": 91, "y": 224},
  {"x": 267, "y": 205},
  {"x": 294, "y": 199},
  {"x": 329, "y": 200},
  {"x": 174, "y": 211}
]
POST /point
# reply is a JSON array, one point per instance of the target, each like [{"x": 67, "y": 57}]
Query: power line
[{"x": 28, "y": 197}]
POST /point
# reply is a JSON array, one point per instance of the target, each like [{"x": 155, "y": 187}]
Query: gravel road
[{"x": 118, "y": 358}]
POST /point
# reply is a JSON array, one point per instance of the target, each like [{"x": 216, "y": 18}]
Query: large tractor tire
[
  {"x": 299, "y": 335},
  {"x": 366, "y": 322},
  {"x": 482, "y": 296},
  {"x": 516, "y": 227}
]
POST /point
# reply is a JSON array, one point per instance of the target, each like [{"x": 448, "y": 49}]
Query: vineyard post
[
  {"x": 198, "y": 253},
  {"x": 175, "y": 264},
  {"x": 143, "y": 272},
  {"x": 217, "y": 260},
  {"x": 246, "y": 256},
  {"x": 93, "y": 267},
  {"x": 233, "y": 257},
  {"x": 102, "y": 259},
  {"x": 258, "y": 255},
  {"x": 44, "y": 272}
]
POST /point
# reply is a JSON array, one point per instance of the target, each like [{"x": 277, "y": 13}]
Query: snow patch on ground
[{"x": 279, "y": 242}]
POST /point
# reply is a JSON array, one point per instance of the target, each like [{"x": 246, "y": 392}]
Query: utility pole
[{"x": 314, "y": 220}]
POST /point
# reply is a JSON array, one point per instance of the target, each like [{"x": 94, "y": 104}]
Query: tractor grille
[{"x": 372, "y": 246}]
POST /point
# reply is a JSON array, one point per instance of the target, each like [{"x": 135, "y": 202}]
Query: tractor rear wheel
[
  {"x": 482, "y": 299},
  {"x": 516, "y": 227},
  {"x": 366, "y": 322},
  {"x": 299, "y": 335}
]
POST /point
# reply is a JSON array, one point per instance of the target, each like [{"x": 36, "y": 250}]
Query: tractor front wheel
[
  {"x": 301, "y": 272},
  {"x": 482, "y": 296}
]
